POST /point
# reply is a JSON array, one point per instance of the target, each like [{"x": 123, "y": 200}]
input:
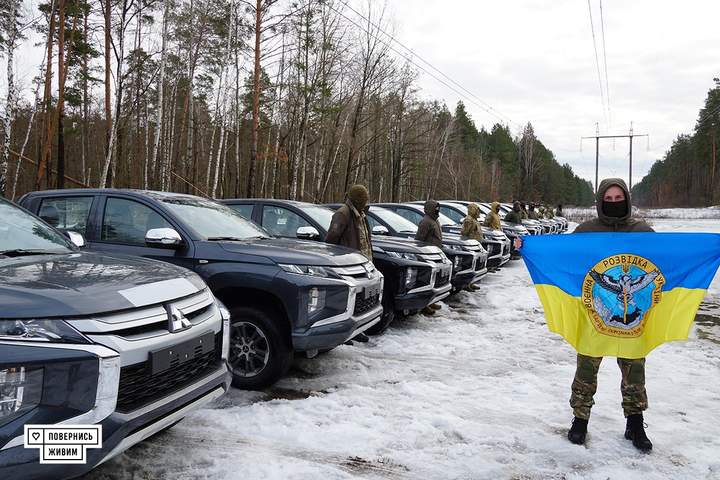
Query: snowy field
[{"x": 478, "y": 392}]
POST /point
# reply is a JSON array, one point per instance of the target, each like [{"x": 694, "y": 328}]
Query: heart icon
[{"x": 36, "y": 435}]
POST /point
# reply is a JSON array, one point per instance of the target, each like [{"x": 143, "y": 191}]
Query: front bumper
[
  {"x": 120, "y": 431},
  {"x": 419, "y": 298},
  {"x": 499, "y": 253}
]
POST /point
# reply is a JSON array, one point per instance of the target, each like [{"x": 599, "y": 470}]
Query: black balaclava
[{"x": 615, "y": 209}]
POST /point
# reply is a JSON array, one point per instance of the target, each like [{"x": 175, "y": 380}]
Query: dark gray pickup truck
[
  {"x": 125, "y": 343},
  {"x": 284, "y": 295}
]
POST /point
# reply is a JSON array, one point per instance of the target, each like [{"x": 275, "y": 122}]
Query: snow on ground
[
  {"x": 479, "y": 391},
  {"x": 584, "y": 213}
]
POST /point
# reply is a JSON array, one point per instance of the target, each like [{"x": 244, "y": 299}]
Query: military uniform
[
  {"x": 632, "y": 387},
  {"x": 492, "y": 219},
  {"x": 471, "y": 228},
  {"x": 516, "y": 215}
]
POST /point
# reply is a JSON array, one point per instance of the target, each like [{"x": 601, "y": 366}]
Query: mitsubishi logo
[{"x": 176, "y": 320}]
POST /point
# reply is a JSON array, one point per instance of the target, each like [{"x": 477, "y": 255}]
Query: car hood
[
  {"x": 403, "y": 245},
  {"x": 296, "y": 252},
  {"x": 86, "y": 283}
]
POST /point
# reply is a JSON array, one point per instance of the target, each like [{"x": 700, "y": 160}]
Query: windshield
[
  {"x": 20, "y": 231},
  {"x": 443, "y": 220},
  {"x": 321, "y": 215},
  {"x": 396, "y": 222},
  {"x": 213, "y": 220}
]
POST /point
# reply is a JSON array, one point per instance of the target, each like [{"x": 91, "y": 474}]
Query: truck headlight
[
  {"x": 20, "y": 391},
  {"x": 405, "y": 255},
  {"x": 312, "y": 270},
  {"x": 32, "y": 330}
]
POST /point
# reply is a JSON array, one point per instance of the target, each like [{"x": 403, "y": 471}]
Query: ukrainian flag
[{"x": 621, "y": 294}]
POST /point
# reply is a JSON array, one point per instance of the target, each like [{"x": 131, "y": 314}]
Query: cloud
[{"x": 534, "y": 61}]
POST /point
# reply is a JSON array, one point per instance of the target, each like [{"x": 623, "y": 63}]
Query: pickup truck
[
  {"x": 495, "y": 245},
  {"x": 284, "y": 295},
  {"x": 457, "y": 212},
  {"x": 416, "y": 275},
  {"x": 127, "y": 344}
]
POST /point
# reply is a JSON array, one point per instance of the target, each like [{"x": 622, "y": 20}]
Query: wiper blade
[
  {"x": 220, "y": 239},
  {"x": 20, "y": 252}
]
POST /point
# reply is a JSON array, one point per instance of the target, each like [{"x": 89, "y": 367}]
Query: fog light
[
  {"x": 316, "y": 300},
  {"x": 107, "y": 390},
  {"x": 225, "y": 316},
  {"x": 410, "y": 277},
  {"x": 456, "y": 262},
  {"x": 20, "y": 391}
]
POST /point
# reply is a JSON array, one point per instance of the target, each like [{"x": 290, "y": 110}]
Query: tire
[{"x": 260, "y": 354}]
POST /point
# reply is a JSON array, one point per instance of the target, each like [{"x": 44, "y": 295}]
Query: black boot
[
  {"x": 578, "y": 431},
  {"x": 635, "y": 431}
]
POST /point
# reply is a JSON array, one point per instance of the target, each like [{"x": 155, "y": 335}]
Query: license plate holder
[
  {"x": 371, "y": 291},
  {"x": 165, "y": 358}
]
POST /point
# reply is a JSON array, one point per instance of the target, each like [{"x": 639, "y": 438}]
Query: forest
[
  {"x": 240, "y": 98},
  {"x": 687, "y": 175}
]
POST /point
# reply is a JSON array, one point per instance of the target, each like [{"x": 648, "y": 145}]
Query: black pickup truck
[
  {"x": 416, "y": 275},
  {"x": 493, "y": 240},
  {"x": 283, "y": 295},
  {"x": 402, "y": 220}
]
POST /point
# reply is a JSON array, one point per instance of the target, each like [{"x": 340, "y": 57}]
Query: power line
[
  {"x": 607, "y": 83},
  {"x": 467, "y": 95},
  {"x": 707, "y": 116},
  {"x": 597, "y": 60}
]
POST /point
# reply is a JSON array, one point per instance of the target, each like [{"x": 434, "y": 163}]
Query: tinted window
[
  {"x": 21, "y": 231},
  {"x": 245, "y": 211},
  {"x": 70, "y": 213},
  {"x": 452, "y": 214},
  {"x": 281, "y": 221},
  {"x": 127, "y": 221},
  {"x": 411, "y": 215},
  {"x": 321, "y": 215},
  {"x": 372, "y": 222}
]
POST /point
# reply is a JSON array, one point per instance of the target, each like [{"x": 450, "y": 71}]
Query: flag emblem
[{"x": 619, "y": 291}]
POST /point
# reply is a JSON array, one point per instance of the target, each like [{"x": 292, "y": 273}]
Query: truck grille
[
  {"x": 443, "y": 278},
  {"x": 364, "y": 305},
  {"x": 138, "y": 387}
]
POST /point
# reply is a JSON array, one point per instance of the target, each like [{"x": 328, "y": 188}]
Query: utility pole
[{"x": 597, "y": 138}]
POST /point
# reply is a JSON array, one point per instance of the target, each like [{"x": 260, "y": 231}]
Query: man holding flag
[
  {"x": 619, "y": 290},
  {"x": 614, "y": 215}
]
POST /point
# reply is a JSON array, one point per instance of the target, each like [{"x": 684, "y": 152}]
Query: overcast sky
[{"x": 533, "y": 60}]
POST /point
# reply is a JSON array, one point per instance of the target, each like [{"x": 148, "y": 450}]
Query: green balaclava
[{"x": 359, "y": 197}]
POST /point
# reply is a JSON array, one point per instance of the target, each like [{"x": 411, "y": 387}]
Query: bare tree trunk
[
  {"x": 109, "y": 134},
  {"x": 84, "y": 129},
  {"x": 11, "y": 104},
  {"x": 60, "y": 182},
  {"x": 161, "y": 86},
  {"x": 255, "y": 100},
  {"x": 44, "y": 162}
]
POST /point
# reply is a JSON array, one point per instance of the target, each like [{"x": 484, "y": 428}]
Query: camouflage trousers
[{"x": 632, "y": 386}]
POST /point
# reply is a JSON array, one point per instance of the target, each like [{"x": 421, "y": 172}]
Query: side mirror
[
  {"x": 307, "y": 233},
  {"x": 76, "y": 238},
  {"x": 163, "y": 238},
  {"x": 380, "y": 230}
]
